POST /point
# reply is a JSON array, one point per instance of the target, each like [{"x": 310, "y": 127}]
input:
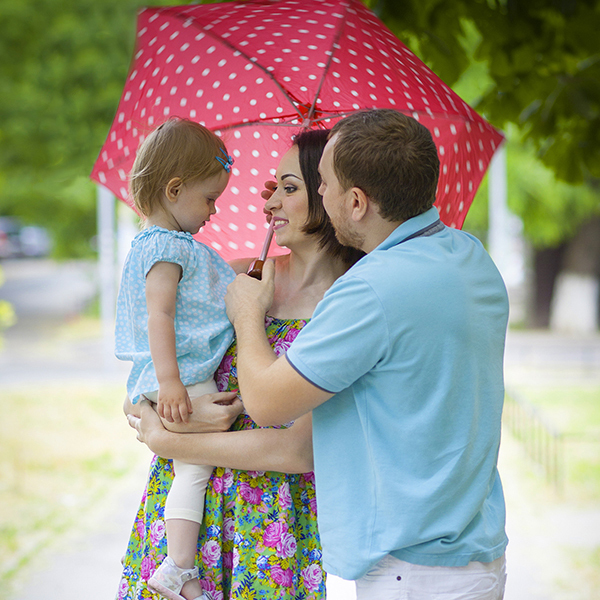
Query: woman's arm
[{"x": 282, "y": 450}]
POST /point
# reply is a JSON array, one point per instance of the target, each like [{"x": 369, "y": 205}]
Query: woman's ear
[{"x": 173, "y": 189}]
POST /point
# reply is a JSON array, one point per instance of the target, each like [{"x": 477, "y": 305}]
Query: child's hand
[{"x": 174, "y": 404}]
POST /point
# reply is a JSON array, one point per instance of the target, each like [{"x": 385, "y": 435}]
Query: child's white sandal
[{"x": 168, "y": 579}]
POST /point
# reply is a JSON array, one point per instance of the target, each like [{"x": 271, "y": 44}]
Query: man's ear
[
  {"x": 359, "y": 204},
  {"x": 173, "y": 189}
]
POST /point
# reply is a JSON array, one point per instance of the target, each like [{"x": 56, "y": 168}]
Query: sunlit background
[{"x": 71, "y": 472}]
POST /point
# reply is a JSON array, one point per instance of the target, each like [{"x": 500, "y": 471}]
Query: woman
[{"x": 259, "y": 537}]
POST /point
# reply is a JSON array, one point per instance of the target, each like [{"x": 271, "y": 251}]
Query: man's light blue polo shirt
[{"x": 411, "y": 341}]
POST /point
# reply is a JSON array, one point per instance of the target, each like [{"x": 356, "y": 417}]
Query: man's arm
[{"x": 272, "y": 391}]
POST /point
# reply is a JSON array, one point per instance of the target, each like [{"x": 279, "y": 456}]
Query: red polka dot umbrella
[{"x": 257, "y": 72}]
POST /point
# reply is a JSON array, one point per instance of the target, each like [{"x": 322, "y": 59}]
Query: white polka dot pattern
[{"x": 256, "y": 73}]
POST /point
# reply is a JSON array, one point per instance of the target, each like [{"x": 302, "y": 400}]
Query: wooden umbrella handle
[{"x": 256, "y": 268}]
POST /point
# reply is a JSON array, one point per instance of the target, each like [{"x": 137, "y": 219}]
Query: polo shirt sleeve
[{"x": 346, "y": 337}]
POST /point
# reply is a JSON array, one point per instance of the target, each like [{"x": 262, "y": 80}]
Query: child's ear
[{"x": 173, "y": 189}]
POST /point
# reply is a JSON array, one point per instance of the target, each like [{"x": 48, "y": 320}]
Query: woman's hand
[
  {"x": 270, "y": 187},
  {"x": 212, "y": 412},
  {"x": 147, "y": 424}
]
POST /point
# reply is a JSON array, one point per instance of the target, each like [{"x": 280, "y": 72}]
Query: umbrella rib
[
  {"x": 241, "y": 52},
  {"x": 336, "y": 39}
]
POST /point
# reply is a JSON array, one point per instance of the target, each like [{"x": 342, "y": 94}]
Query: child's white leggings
[{"x": 186, "y": 496}]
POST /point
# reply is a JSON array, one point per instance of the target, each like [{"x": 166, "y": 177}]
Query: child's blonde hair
[{"x": 178, "y": 148}]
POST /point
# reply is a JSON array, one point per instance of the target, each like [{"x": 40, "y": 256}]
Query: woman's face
[{"x": 289, "y": 203}]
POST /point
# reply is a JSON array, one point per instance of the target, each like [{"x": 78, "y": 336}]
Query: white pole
[
  {"x": 106, "y": 270},
  {"x": 498, "y": 209},
  {"x": 506, "y": 243}
]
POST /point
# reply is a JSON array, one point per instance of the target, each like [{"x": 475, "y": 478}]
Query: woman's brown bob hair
[{"x": 310, "y": 149}]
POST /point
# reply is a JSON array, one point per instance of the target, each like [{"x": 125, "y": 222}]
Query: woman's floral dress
[{"x": 259, "y": 538}]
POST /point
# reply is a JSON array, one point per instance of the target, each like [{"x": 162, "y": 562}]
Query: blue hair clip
[{"x": 227, "y": 164}]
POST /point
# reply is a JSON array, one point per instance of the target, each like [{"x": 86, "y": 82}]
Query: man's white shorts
[{"x": 394, "y": 579}]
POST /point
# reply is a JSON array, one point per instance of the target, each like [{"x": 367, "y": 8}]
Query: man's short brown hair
[{"x": 391, "y": 157}]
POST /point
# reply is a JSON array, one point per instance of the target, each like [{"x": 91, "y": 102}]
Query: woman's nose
[{"x": 273, "y": 202}]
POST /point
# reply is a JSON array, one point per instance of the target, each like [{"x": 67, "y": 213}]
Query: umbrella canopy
[{"x": 259, "y": 71}]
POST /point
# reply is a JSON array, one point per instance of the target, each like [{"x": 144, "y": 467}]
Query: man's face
[{"x": 336, "y": 201}]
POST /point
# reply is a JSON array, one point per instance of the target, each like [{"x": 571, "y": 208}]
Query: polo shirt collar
[{"x": 409, "y": 227}]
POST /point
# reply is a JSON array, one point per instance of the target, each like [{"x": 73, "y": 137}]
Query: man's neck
[{"x": 378, "y": 231}]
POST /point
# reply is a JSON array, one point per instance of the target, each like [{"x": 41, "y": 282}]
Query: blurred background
[{"x": 71, "y": 472}]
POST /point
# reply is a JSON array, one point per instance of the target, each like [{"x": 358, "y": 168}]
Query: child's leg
[
  {"x": 184, "y": 511},
  {"x": 185, "y": 508}
]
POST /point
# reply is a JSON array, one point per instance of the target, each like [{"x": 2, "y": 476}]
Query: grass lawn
[
  {"x": 556, "y": 523},
  {"x": 61, "y": 447},
  {"x": 574, "y": 413}
]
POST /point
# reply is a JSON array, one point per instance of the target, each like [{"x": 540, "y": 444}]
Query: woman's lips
[{"x": 279, "y": 223}]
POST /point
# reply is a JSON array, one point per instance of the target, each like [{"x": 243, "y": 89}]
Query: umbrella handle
[{"x": 256, "y": 268}]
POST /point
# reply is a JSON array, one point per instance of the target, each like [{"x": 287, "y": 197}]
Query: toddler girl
[{"x": 171, "y": 319}]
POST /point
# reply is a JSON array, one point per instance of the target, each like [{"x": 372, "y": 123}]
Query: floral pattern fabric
[{"x": 259, "y": 537}]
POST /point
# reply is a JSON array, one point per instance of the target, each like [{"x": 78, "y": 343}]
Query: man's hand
[{"x": 251, "y": 298}]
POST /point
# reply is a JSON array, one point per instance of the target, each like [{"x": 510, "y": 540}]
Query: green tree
[
  {"x": 543, "y": 66},
  {"x": 63, "y": 67}
]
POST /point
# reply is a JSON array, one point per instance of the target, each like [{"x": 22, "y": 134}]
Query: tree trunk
[
  {"x": 546, "y": 266},
  {"x": 575, "y": 301}
]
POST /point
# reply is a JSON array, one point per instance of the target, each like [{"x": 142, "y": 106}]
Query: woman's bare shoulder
[{"x": 240, "y": 265}]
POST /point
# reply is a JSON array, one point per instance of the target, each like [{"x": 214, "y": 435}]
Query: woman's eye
[{"x": 290, "y": 189}]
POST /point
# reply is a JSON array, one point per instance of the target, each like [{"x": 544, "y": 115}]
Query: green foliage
[
  {"x": 551, "y": 210},
  {"x": 545, "y": 61},
  {"x": 64, "y": 65},
  {"x": 542, "y": 57}
]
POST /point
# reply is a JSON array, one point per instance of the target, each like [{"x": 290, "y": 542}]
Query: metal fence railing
[{"x": 541, "y": 441}]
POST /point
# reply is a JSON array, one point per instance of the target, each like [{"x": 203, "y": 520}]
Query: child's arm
[{"x": 173, "y": 404}]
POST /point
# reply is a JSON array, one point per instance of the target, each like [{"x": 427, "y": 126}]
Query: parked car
[
  {"x": 10, "y": 230},
  {"x": 35, "y": 241},
  {"x": 18, "y": 240}
]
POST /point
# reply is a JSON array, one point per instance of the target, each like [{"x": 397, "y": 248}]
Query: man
[{"x": 401, "y": 365}]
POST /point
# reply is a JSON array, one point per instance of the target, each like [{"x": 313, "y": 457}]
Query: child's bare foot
[{"x": 191, "y": 590}]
